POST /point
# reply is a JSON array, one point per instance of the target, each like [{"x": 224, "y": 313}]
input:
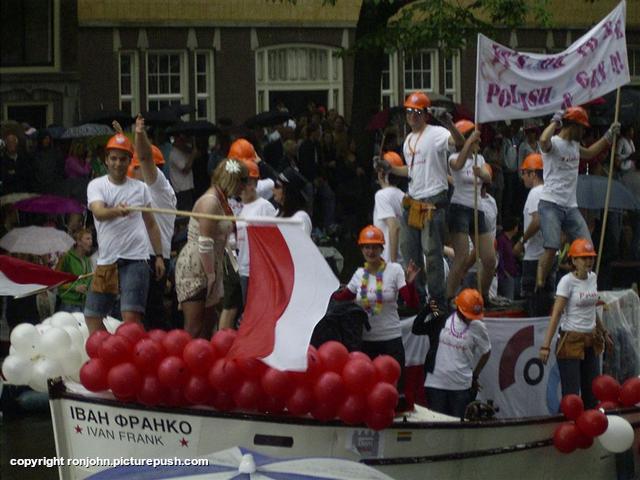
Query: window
[
  {"x": 634, "y": 64},
  {"x": 204, "y": 85},
  {"x": 452, "y": 76},
  {"x": 420, "y": 71},
  {"x": 166, "y": 79},
  {"x": 389, "y": 82},
  {"x": 128, "y": 83}
]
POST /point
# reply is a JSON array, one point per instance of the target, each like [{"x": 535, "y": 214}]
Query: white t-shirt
[
  {"x": 307, "y": 226},
  {"x": 426, "y": 154},
  {"x": 625, "y": 149},
  {"x": 463, "y": 181},
  {"x": 388, "y": 204},
  {"x": 163, "y": 196},
  {"x": 561, "y": 172},
  {"x": 459, "y": 350},
  {"x": 258, "y": 208},
  {"x": 534, "y": 247},
  {"x": 386, "y": 324},
  {"x": 579, "y": 314},
  {"x": 490, "y": 209},
  {"x": 177, "y": 161},
  {"x": 121, "y": 237}
]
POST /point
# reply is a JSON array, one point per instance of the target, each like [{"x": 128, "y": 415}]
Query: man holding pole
[{"x": 558, "y": 207}]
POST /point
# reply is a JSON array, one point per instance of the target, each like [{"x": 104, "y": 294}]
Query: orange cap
[
  {"x": 254, "y": 171},
  {"x": 371, "y": 235},
  {"x": 577, "y": 115},
  {"x": 581, "y": 247},
  {"x": 470, "y": 303},
  {"x": 393, "y": 159},
  {"x": 465, "y": 126},
  {"x": 242, "y": 149},
  {"x": 120, "y": 142},
  {"x": 418, "y": 100},
  {"x": 533, "y": 161}
]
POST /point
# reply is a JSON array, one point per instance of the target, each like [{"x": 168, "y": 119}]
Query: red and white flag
[
  {"x": 20, "y": 279},
  {"x": 289, "y": 289}
]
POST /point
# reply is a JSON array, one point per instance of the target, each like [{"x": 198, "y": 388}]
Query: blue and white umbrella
[{"x": 238, "y": 463}]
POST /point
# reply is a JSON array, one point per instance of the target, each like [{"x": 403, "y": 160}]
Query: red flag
[{"x": 19, "y": 278}]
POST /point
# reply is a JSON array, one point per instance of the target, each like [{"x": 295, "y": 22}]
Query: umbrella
[
  {"x": 182, "y": 109},
  {"x": 10, "y": 198},
  {"x": 240, "y": 463},
  {"x": 195, "y": 127},
  {"x": 54, "y": 131},
  {"x": 592, "y": 190},
  {"x": 36, "y": 240},
  {"x": 106, "y": 117},
  {"x": 603, "y": 114},
  {"x": 88, "y": 130},
  {"x": 267, "y": 119},
  {"x": 52, "y": 204},
  {"x": 381, "y": 119},
  {"x": 163, "y": 117}
]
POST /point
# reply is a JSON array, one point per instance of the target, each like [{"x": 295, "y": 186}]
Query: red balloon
[
  {"x": 199, "y": 356},
  {"x": 300, "y": 401},
  {"x": 324, "y": 411},
  {"x": 571, "y": 406},
  {"x": 197, "y": 390},
  {"x": 157, "y": 335},
  {"x": 251, "y": 367},
  {"x": 382, "y": 397},
  {"x": 380, "y": 420},
  {"x": 151, "y": 391},
  {"x": 93, "y": 375},
  {"x": 333, "y": 356},
  {"x": 133, "y": 331},
  {"x": 314, "y": 369},
  {"x": 566, "y": 437},
  {"x": 94, "y": 341},
  {"x": 630, "y": 392},
  {"x": 115, "y": 350},
  {"x": 388, "y": 369},
  {"x": 174, "y": 397},
  {"x": 605, "y": 387},
  {"x": 267, "y": 404},
  {"x": 592, "y": 422},
  {"x": 329, "y": 389},
  {"x": 175, "y": 341},
  {"x": 607, "y": 405},
  {"x": 247, "y": 395},
  {"x": 359, "y": 376},
  {"x": 224, "y": 375},
  {"x": 124, "y": 381},
  {"x": 277, "y": 384},
  {"x": 173, "y": 372},
  {"x": 147, "y": 355},
  {"x": 583, "y": 441},
  {"x": 353, "y": 410},
  {"x": 223, "y": 401},
  {"x": 359, "y": 356},
  {"x": 222, "y": 340}
]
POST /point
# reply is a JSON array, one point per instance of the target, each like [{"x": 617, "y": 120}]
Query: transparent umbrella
[
  {"x": 88, "y": 130},
  {"x": 36, "y": 240},
  {"x": 592, "y": 190}
]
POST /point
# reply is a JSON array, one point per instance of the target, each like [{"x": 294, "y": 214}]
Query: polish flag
[
  {"x": 289, "y": 290},
  {"x": 21, "y": 279}
]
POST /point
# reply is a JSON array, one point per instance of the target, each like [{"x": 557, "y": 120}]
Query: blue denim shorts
[
  {"x": 461, "y": 219},
  {"x": 555, "y": 219},
  {"x": 133, "y": 277}
]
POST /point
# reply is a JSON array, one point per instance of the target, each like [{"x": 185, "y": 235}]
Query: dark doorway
[
  {"x": 34, "y": 115},
  {"x": 296, "y": 101}
]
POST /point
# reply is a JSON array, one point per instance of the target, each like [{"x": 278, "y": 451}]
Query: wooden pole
[
  {"x": 44, "y": 289},
  {"x": 603, "y": 226},
  {"x": 209, "y": 216},
  {"x": 476, "y": 233}
]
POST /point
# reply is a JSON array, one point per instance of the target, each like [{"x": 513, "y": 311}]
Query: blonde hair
[
  {"x": 78, "y": 234},
  {"x": 229, "y": 175}
]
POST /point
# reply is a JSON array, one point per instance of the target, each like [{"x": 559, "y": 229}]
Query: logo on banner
[{"x": 534, "y": 368}]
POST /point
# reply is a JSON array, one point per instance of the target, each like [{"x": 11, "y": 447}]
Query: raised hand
[
  {"x": 411, "y": 272},
  {"x": 117, "y": 127}
]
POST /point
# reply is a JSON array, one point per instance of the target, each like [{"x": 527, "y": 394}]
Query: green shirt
[{"x": 71, "y": 262}]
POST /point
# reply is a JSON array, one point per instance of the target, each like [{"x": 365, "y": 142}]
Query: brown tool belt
[
  {"x": 572, "y": 345},
  {"x": 419, "y": 212}
]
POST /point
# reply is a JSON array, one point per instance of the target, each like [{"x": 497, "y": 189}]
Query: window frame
[
  {"x": 209, "y": 95},
  {"x": 435, "y": 72},
  {"x": 183, "y": 96},
  {"x": 455, "y": 92},
  {"x": 134, "y": 96}
]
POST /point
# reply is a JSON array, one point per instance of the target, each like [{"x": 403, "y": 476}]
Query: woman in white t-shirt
[
  {"x": 468, "y": 173},
  {"x": 290, "y": 197},
  {"x": 582, "y": 335},
  {"x": 387, "y": 208},
  {"x": 375, "y": 287},
  {"x": 462, "y": 349}
]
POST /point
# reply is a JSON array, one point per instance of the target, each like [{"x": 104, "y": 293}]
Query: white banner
[{"x": 511, "y": 85}]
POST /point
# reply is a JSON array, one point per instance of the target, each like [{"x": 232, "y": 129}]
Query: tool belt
[
  {"x": 419, "y": 212},
  {"x": 572, "y": 345},
  {"x": 105, "y": 279}
]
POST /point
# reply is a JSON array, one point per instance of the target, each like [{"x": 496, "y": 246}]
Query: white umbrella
[
  {"x": 11, "y": 198},
  {"x": 36, "y": 240},
  {"x": 240, "y": 463}
]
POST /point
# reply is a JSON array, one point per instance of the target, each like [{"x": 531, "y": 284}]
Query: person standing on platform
[{"x": 387, "y": 209}]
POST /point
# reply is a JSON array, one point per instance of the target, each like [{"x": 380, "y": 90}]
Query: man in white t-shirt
[
  {"x": 558, "y": 207},
  {"x": 123, "y": 239},
  {"x": 387, "y": 209},
  {"x": 426, "y": 150},
  {"x": 181, "y": 171}
]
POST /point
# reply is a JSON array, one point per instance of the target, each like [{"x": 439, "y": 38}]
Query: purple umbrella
[{"x": 51, "y": 204}]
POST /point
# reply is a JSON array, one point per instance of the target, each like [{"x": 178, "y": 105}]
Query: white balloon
[
  {"x": 42, "y": 369},
  {"x": 71, "y": 362},
  {"x": 26, "y": 339},
  {"x": 618, "y": 437},
  {"x": 77, "y": 340},
  {"x": 46, "y": 321},
  {"x": 63, "y": 319},
  {"x": 17, "y": 369},
  {"x": 111, "y": 324},
  {"x": 12, "y": 350},
  {"x": 79, "y": 316},
  {"x": 41, "y": 328},
  {"x": 55, "y": 342}
]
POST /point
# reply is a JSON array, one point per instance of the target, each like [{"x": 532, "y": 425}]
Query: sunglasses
[{"x": 417, "y": 111}]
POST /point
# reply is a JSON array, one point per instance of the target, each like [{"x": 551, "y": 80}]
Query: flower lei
[{"x": 364, "y": 286}]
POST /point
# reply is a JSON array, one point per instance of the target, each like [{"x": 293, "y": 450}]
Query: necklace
[
  {"x": 364, "y": 287},
  {"x": 412, "y": 150},
  {"x": 453, "y": 330}
]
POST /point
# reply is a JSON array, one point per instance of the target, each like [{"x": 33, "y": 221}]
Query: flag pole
[
  {"x": 209, "y": 216},
  {"x": 44, "y": 289},
  {"x": 603, "y": 226},
  {"x": 476, "y": 234}
]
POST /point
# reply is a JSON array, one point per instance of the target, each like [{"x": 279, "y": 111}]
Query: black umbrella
[
  {"x": 195, "y": 127},
  {"x": 267, "y": 119},
  {"x": 163, "y": 117},
  {"x": 604, "y": 113},
  {"x": 181, "y": 109},
  {"x": 106, "y": 117}
]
